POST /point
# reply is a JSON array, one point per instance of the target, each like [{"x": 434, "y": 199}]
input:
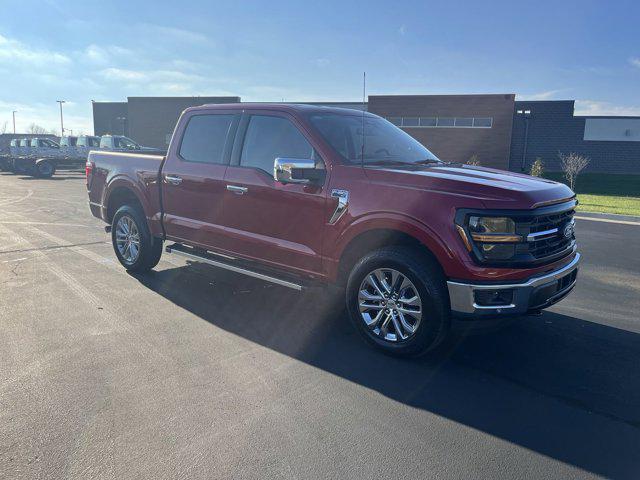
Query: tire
[
  {"x": 148, "y": 249},
  {"x": 44, "y": 169},
  {"x": 428, "y": 316}
]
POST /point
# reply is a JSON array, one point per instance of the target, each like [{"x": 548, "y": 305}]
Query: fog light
[{"x": 490, "y": 298}]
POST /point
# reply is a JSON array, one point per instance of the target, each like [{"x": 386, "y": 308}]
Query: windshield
[
  {"x": 384, "y": 143},
  {"x": 124, "y": 142}
]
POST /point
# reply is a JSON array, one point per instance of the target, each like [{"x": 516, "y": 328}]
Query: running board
[{"x": 206, "y": 258}]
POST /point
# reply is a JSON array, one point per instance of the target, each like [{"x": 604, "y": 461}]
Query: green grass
[{"x": 605, "y": 193}]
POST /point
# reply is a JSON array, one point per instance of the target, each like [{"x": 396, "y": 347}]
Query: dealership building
[{"x": 495, "y": 130}]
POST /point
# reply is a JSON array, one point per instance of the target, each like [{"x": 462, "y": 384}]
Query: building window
[
  {"x": 483, "y": 122},
  {"x": 445, "y": 122},
  {"x": 464, "y": 122},
  {"x": 410, "y": 122}
]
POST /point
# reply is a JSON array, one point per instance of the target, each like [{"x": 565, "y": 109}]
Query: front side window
[
  {"x": 205, "y": 137},
  {"x": 268, "y": 138},
  {"x": 94, "y": 142},
  {"x": 383, "y": 141}
]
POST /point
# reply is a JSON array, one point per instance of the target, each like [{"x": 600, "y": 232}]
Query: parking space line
[{"x": 608, "y": 220}]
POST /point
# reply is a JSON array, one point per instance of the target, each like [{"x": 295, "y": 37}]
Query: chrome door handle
[
  {"x": 237, "y": 190},
  {"x": 173, "y": 180}
]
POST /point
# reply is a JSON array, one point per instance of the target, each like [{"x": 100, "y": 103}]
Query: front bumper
[{"x": 531, "y": 295}]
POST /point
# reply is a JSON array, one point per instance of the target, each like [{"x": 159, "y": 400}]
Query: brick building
[
  {"x": 494, "y": 129},
  {"x": 543, "y": 129}
]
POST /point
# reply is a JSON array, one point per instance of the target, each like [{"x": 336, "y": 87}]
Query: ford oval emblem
[{"x": 568, "y": 230}]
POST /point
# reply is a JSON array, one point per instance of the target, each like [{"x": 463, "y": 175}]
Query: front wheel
[
  {"x": 45, "y": 169},
  {"x": 397, "y": 300},
  {"x": 136, "y": 249}
]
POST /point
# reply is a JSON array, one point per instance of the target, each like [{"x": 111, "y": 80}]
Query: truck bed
[{"x": 111, "y": 170}]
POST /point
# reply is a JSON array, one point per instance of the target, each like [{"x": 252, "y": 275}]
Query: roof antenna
[{"x": 364, "y": 96}]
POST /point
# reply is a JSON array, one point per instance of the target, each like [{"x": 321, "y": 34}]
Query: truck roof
[{"x": 281, "y": 107}]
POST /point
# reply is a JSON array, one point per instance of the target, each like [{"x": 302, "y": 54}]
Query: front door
[
  {"x": 279, "y": 224},
  {"x": 193, "y": 179}
]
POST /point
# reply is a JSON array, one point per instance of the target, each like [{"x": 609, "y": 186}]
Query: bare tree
[
  {"x": 36, "y": 129},
  {"x": 572, "y": 164},
  {"x": 3, "y": 128}
]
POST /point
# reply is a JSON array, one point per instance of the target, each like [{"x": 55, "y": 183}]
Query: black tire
[
  {"x": 44, "y": 169},
  {"x": 429, "y": 284},
  {"x": 150, "y": 249}
]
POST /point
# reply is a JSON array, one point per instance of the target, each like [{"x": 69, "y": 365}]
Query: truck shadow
[{"x": 554, "y": 384}]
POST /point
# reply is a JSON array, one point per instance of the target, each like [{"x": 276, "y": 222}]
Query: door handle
[
  {"x": 237, "y": 190},
  {"x": 173, "y": 180}
]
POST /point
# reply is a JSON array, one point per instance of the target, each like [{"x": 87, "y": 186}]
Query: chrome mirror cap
[{"x": 283, "y": 169}]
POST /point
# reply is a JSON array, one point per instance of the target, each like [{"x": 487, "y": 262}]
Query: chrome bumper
[{"x": 533, "y": 294}]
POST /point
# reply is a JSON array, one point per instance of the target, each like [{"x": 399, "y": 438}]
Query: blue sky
[{"x": 303, "y": 51}]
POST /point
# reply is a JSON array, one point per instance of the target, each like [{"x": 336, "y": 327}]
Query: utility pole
[
  {"x": 61, "y": 119},
  {"x": 14, "y": 121}
]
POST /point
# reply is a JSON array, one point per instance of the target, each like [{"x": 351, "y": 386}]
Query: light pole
[
  {"x": 61, "y": 120},
  {"x": 14, "y": 121}
]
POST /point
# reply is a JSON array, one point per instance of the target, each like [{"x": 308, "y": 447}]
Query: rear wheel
[
  {"x": 136, "y": 249},
  {"x": 45, "y": 169},
  {"x": 397, "y": 299}
]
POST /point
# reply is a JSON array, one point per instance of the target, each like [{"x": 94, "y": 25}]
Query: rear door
[
  {"x": 193, "y": 177},
  {"x": 280, "y": 224}
]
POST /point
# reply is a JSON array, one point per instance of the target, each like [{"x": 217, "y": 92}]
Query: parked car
[
  {"x": 86, "y": 143},
  {"x": 6, "y": 159},
  {"x": 122, "y": 143},
  {"x": 297, "y": 195},
  {"x": 69, "y": 147}
]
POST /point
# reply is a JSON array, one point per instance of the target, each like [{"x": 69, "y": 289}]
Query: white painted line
[
  {"x": 608, "y": 220},
  {"x": 47, "y": 223},
  {"x": 14, "y": 260}
]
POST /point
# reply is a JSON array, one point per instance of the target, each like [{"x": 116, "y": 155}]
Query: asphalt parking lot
[{"x": 191, "y": 372}]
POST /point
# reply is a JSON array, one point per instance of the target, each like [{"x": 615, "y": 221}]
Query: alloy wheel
[
  {"x": 128, "y": 239},
  {"x": 390, "y": 305}
]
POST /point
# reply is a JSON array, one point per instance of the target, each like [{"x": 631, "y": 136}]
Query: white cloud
[
  {"x": 122, "y": 74},
  {"x": 402, "y": 30},
  {"x": 595, "y": 107},
  {"x": 177, "y": 34},
  {"x": 635, "y": 62},
  {"x": 15, "y": 51},
  {"x": 323, "y": 62}
]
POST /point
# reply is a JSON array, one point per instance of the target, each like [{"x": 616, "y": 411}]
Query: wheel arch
[
  {"x": 375, "y": 233},
  {"x": 120, "y": 194}
]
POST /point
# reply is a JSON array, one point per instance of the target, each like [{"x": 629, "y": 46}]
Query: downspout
[{"x": 526, "y": 140}]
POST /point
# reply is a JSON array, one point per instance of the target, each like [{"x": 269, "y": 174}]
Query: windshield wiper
[{"x": 428, "y": 161}]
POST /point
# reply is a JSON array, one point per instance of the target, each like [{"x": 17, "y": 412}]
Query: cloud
[
  {"x": 635, "y": 62},
  {"x": 177, "y": 34},
  {"x": 103, "y": 55},
  {"x": 122, "y": 74},
  {"x": 547, "y": 95},
  {"x": 323, "y": 62},
  {"x": 15, "y": 51},
  {"x": 596, "y": 108},
  {"x": 402, "y": 30}
]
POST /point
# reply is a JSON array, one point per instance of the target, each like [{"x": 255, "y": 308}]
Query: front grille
[{"x": 543, "y": 245}]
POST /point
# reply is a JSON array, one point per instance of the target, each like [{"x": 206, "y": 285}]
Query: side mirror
[{"x": 296, "y": 170}]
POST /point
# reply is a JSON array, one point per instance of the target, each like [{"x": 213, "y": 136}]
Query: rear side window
[
  {"x": 205, "y": 137},
  {"x": 268, "y": 138},
  {"x": 94, "y": 141}
]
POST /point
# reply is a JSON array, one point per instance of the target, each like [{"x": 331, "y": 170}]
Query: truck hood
[{"x": 496, "y": 189}]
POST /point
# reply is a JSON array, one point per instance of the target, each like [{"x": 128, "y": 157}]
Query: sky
[{"x": 79, "y": 51}]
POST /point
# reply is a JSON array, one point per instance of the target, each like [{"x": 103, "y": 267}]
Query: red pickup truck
[{"x": 298, "y": 194}]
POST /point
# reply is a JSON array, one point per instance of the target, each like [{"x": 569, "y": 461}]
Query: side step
[{"x": 208, "y": 258}]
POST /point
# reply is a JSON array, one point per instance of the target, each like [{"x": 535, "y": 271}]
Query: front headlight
[{"x": 496, "y": 236}]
